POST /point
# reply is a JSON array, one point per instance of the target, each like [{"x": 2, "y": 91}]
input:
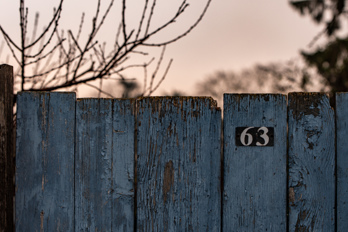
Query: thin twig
[
  {"x": 75, "y": 41},
  {"x": 59, "y": 66},
  {"x": 12, "y": 51},
  {"x": 124, "y": 21},
  {"x": 104, "y": 16},
  {"x": 150, "y": 17},
  {"x": 100, "y": 90},
  {"x": 54, "y": 20},
  {"x": 142, "y": 19},
  {"x": 100, "y": 87},
  {"x": 6, "y": 36},
  {"x": 44, "y": 56},
  {"x": 183, "y": 34},
  {"x": 162, "y": 79},
  {"x": 80, "y": 26}
]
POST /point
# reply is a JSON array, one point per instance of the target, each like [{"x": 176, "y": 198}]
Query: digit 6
[{"x": 244, "y": 135}]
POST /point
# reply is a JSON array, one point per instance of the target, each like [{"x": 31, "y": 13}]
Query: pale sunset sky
[{"x": 234, "y": 34}]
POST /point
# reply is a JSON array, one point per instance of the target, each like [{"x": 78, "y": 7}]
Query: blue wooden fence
[{"x": 275, "y": 163}]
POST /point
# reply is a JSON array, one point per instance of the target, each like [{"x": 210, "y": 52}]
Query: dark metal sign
[{"x": 255, "y": 136}]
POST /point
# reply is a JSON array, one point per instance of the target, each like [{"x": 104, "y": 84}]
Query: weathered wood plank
[
  {"x": 45, "y": 161},
  {"x": 342, "y": 160},
  {"x": 178, "y": 164},
  {"x": 104, "y": 165},
  {"x": 254, "y": 192},
  {"x": 123, "y": 165},
  {"x": 311, "y": 163},
  {"x": 93, "y": 165},
  {"x": 6, "y": 149}
]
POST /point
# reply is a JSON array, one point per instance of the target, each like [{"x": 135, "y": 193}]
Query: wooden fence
[{"x": 274, "y": 163}]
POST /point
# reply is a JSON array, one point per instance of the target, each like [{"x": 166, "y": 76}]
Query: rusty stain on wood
[
  {"x": 168, "y": 179},
  {"x": 42, "y": 214},
  {"x": 307, "y": 104},
  {"x": 178, "y": 163},
  {"x": 43, "y": 182},
  {"x": 291, "y": 195}
]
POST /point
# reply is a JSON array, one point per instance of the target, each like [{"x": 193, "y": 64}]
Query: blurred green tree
[{"x": 331, "y": 59}]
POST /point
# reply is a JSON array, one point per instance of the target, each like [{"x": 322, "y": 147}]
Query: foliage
[
  {"x": 332, "y": 63},
  {"x": 329, "y": 12},
  {"x": 55, "y": 59},
  {"x": 269, "y": 78},
  {"x": 331, "y": 60}
]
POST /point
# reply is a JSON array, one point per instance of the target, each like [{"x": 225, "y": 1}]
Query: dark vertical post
[
  {"x": 254, "y": 196},
  {"x": 6, "y": 148},
  {"x": 311, "y": 162}
]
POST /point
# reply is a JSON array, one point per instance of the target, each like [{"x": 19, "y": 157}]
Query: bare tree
[{"x": 58, "y": 59}]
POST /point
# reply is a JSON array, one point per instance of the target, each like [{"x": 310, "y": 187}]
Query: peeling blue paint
[
  {"x": 254, "y": 196},
  {"x": 45, "y": 162},
  {"x": 342, "y": 160},
  {"x": 311, "y": 163},
  {"x": 178, "y": 150},
  {"x": 76, "y": 159}
]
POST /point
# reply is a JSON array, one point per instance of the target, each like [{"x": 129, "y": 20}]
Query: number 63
[{"x": 246, "y": 138}]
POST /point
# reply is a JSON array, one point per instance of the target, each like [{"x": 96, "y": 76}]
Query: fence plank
[
  {"x": 254, "y": 195},
  {"x": 104, "y": 165},
  {"x": 93, "y": 165},
  {"x": 178, "y": 164},
  {"x": 342, "y": 160},
  {"x": 311, "y": 163},
  {"x": 6, "y": 149},
  {"x": 44, "y": 161},
  {"x": 123, "y": 165}
]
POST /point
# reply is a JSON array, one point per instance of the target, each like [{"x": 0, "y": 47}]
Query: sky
[{"x": 233, "y": 35}]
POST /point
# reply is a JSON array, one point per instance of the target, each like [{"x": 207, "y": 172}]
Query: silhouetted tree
[
  {"x": 269, "y": 78},
  {"x": 328, "y": 12},
  {"x": 57, "y": 59}
]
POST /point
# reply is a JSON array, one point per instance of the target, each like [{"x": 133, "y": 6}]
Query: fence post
[
  {"x": 311, "y": 163},
  {"x": 178, "y": 164},
  {"x": 342, "y": 160},
  {"x": 6, "y": 148},
  {"x": 45, "y": 161},
  {"x": 104, "y": 165},
  {"x": 254, "y": 192}
]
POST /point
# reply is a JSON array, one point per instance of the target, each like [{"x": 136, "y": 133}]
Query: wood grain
[
  {"x": 123, "y": 128},
  {"x": 104, "y": 165},
  {"x": 178, "y": 164},
  {"x": 311, "y": 163},
  {"x": 45, "y": 161},
  {"x": 342, "y": 160},
  {"x": 7, "y": 142},
  {"x": 254, "y": 195}
]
